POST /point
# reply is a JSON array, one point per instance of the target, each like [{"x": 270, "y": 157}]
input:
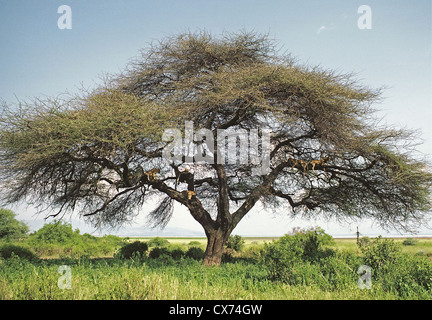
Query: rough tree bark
[{"x": 216, "y": 240}]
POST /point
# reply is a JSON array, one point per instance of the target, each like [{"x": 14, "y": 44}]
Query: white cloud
[
  {"x": 326, "y": 28},
  {"x": 321, "y": 29}
]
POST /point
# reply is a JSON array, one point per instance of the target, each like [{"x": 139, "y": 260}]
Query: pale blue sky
[{"x": 37, "y": 58}]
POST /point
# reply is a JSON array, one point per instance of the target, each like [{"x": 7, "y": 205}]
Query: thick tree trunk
[{"x": 215, "y": 245}]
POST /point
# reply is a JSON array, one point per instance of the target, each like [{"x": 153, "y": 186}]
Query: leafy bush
[
  {"x": 294, "y": 258},
  {"x": 323, "y": 237},
  {"x": 235, "y": 242},
  {"x": 57, "y": 232},
  {"x": 339, "y": 270},
  {"x": 410, "y": 242},
  {"x": 8, "y": 250},
  {"x": 195, "y": 253},
  {"x": 363, "y": 241},
  {"x": 379, "y": 252},
  {"x": 131, "y": 250},
  {"x": 281, "y": 256},
  {"x": 408, "y": 275},
  {"x": 10, "y": 228},
  {"x": 421, "y": 253},
  {"x": 176, "y": 253},
  {"x": 158, "y": 252},
  {"x": 302, "y": 259},
  {"x": 253, "y": 252},
  {"x": 229, "y": 255},
  {"x": 194, "y": 244},
  {"x": 157, "y": 242},
  {"x": 58, "y": 239}
]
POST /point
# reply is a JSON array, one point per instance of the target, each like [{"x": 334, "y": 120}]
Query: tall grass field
[{"x": 306, "y": 265}]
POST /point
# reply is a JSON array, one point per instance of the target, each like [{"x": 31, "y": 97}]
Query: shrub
[
  {"x": 410, "y": 242},
  {"x": 89, "y": 237},
  {"x": 421, "y": 253},
  {"x": 7, "y": 250},
  {"x": 253, "y": 253},
  {"x": 194, "y": 244},
  {"x": 195, "y": 253},
  {"x": 229, "y": 255},
  {"x": 339, "y": 270},
  {"x": 58, "y": 238},
  {"x": 176, "y": 254},
  {"x": 363, "y": 241},
  {"x": 55, "y": 232},
  {"x": 281, "y": 256},
  {"x": 322, "y": 236},
  {"x": 10, "y": 228},
  {"x": 157, "y": 242},
  {"x": 408, "y": 275},
  {"x": 130, "y": 250},
  {"x": 380, "y": 251},
  {"x": 158, "y": 252},
  {"x": 235, "y": 242},
  {"x": 292, "y": 258}
]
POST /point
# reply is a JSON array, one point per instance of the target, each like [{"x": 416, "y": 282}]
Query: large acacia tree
[{"x": 327, "y": 153}]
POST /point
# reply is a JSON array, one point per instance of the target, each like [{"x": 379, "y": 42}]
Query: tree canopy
[
  {"x": 102, "y": 152},
  {"x": 10, "y": 228}
]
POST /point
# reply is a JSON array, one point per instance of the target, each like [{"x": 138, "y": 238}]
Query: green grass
[
  {"x": 423, "y": 246},
  {"x": 94, "y": 279},
  {"x": 349, "y": 245},
  {"x": 165, "y": 278}
]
